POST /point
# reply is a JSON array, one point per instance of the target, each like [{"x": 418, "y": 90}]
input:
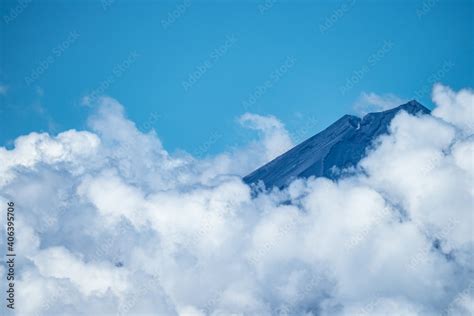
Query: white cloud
[
  {"x": 70, "y": 147},
  {"x": 455, "y": 107},
  {"x": 57, "y": 262},
  {"x": 276, "y": 140},
  {"x": 109, "y": 222},
  {"x": 372, "y": 102},
  {"x": 113, "y": 198}
]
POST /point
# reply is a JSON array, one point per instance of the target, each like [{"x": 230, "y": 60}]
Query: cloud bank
[{"x": 110, "y": 223}]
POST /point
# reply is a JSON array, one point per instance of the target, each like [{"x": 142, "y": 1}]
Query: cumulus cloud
[
  {"x": 454, "y": 107},
  {"x": 59, "y": 263},
  {"x": 276, "y": 140},
  {"x": 373, "y": 102},
  {"x": 69, "y": 148},
  {"x": 109, "y": 222}
]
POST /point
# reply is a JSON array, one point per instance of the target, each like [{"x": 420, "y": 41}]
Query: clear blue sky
[{"x": 143, "y": 53}]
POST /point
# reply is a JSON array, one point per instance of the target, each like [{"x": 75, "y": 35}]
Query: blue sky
[{"x": 189, "y": 69}]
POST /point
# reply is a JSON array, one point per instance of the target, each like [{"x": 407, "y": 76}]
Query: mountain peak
[
  {"x": 341, "y": 145},
  {"x": 412, "y": 107}
]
